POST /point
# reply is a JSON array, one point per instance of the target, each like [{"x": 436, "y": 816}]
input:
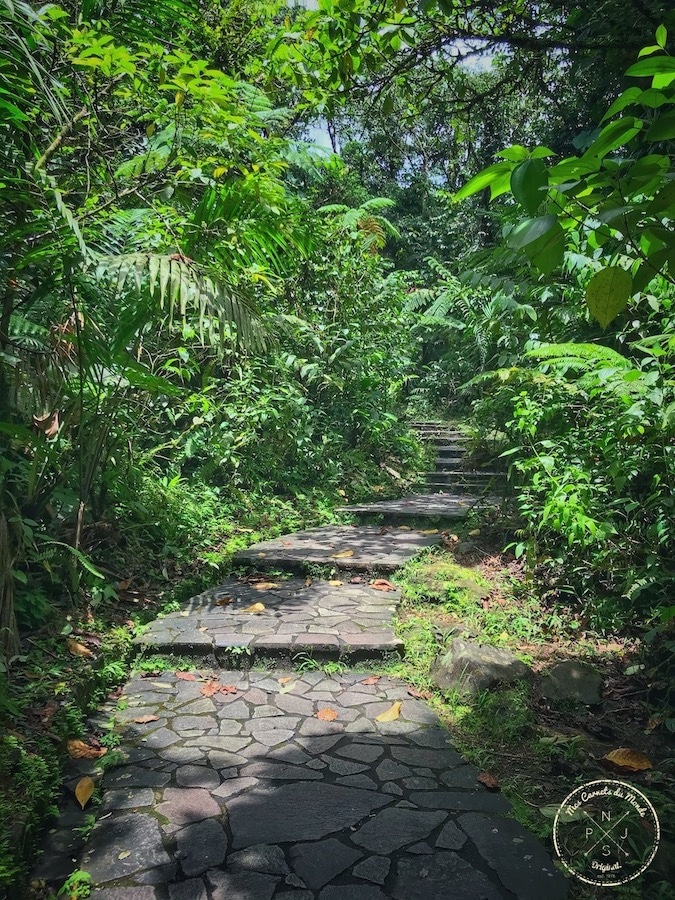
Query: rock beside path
[
  {"x": 572, "y": 680},
  {"x": 469, "y": 668}
]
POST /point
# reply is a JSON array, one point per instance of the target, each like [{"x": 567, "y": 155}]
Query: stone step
[
  {"x": 417, "y": 506},
  {"x": 451, "y": 453},
  {"x": 465, "y": 476},
  {"x": 341, "y": 547},
  {"x": 352, "y": 622},
  {"x": 285, "y": 784}
]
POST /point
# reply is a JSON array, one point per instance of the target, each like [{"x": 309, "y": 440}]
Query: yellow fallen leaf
[
  {"x": 308, "y": 581},
  {"x": 78, "y": 649},
  {"x": 429, "y": 531},
  {"x": 475, "y": 533},
  {"x": 287, "y": 688},
  {"x": 391, "y": 714},
  {"x": 342, "y": 554},
  {"x": 404, "y": 528},
  {"x": 265, "y": 585},
  {"x": 327, "y": 715},
  {"x": 632, "y": 760},
  {"x": 260, "y": 555},
  {"x": 285, "y": 680},
  {"x": 124, "y": 854},
  {"x": 84, "y": 790},
  {"x": 336, "y": 583},
  {"x": 255, "y": 608}
]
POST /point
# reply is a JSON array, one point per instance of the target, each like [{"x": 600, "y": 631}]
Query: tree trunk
[{"x": 9, "y": 633}]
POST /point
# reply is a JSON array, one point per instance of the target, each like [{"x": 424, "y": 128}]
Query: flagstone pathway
[{"x": 292, "y": 785}]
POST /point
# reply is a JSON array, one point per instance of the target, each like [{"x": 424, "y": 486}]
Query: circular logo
[{"x": 606, "y": 833}]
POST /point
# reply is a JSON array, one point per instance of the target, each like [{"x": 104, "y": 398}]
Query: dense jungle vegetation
[{"x": 243, "y": 245}]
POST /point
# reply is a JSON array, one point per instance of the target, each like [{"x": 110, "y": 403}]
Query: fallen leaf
[
  {"x": 203, "y": 628},
  {"x": 285, "y": 680},
  {"x": 229, "y": 689},
  {"x": 327, "y": 715},
  {"x": 211, "y": 688},
  {"x": 419, "y": 695},
  {"x": 186, "y": 676},
  {"x": 287, "y": 543},
  {"x": 123, "y": 585},
  {"x": 84, "y": 789},
  {"x": 336, "y": 583},
  {"x": 391, "y": 714},
  {"x": 488, "y": 781},
  {"x": 261, "y": 555},
  {"x": 255, "y": 608},
  {"x": 475, "y": 533},
  {"x": 287, "y": 688},
  {"x": 78, "y": 649},
  {"x": 356, "y": 579},
  {"x": 265, "y": 585},
  {"x": 381, "y": 584},
  {"x": 372, "y": 680},
  {"x": 124, "y": 854},
  {"x": 404, "y": 528},
  {"x": 342, "y": 554},
  {"x": 143, "y": 720},
  {"x": 224, "y": 601},
  {"x": 429, "y": 531},
  {"x": 632, "y": 760},
  {"x": 79, "y": 750}
]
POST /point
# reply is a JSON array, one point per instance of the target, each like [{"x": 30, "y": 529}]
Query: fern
[{"x": 580, "y": 356}]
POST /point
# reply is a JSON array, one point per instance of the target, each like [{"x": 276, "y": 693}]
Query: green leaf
[
  {"x": 657, "y": 65},
  {"x": 530, "y": 231},
  {"x": 608, "y": 293},
  {"x": 627, "y": 98},
  {"x": 548, "y": 252},
  {"x": 483, "y": 180},
  {"x": 527, "y": 181},
  {"x": 615, "y": 135},
  {"x": 663, "y": 128},
  {"x": 661, "y": 36}
]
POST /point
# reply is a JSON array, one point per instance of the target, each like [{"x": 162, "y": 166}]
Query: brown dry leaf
[
  {"x": 79, "y": 750},
  {"x": 391, "y": 714},
  {"x": 229, "y": 689},
  {"x": 488, "y": 781},
  {"x": 632, "y": 760},
  {"x": 143, "y": 720},
  {"x": 287, "y": 543},
  {"x": 78, "y": 649},
  {"x": 211, "y": 688},
  {"x": 186, "y": 676},
  {"x": 327, "y": 715},
  {"x": 123, "y": 585},
  {"x": 342, "y": 554},
  {"x": 255, "y": 608},
  {"x": 265, "y": 585},
  {"x": 372, "y": 680},
  {"x": 203, "y": 628},
  {"x": 285, "y": 679},
  {"x": 335, "y": 582},
  {"x": 83, "y": 790},
  {"x": 48, "y": 424},
  {"x": 224, "y": 601},
  {"x": 381, "y": 584},
  {"x": 287, "y": 688},
  {"x": 308, "y": 582},
  {"x": 419, "y": 695}
]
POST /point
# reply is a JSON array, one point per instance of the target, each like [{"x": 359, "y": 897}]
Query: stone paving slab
[
  {"x": 433, "y": 506},
  {"x": 254, "y": 797},
  {"x": 299, "y": 616},
  {"x": 374, "y": 549}
]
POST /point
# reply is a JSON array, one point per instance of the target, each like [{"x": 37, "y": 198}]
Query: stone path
[
  {"x": 337, "y": 620},
  {"x": 248, "y": 794},
  {"x": 435, "y": 506},
  {"x": 354, "y": 548},
  {"x": 293, "y": 785}
]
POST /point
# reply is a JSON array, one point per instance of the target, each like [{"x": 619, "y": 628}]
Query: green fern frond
[{"x": 581, "y": 356}]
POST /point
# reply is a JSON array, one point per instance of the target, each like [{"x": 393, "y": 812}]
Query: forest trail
[{"x": 273, "y": 783}]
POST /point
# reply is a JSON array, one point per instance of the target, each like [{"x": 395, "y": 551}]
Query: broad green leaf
[
  {"x": 608, "y": 293},
  {"x": 629, "y": 96},
  {"x": 548, "y": 252},
  {"x": 483, "y": 180},
  {"x": 527, "y": 181},
  {"x": 516, "y": 153},
  {"x": 531, "y": 230},
  {"x": 657, "y": 65},
  {"x": 614, "y": 135},
  {"x": 663, "y": 128},
  {"x": 661, "y": 36}
]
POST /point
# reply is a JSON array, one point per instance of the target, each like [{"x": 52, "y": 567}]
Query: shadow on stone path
[{"x": 247, "y": 795}]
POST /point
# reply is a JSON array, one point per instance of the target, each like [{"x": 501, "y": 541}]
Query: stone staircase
[{"x": 455, "y": 471}]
